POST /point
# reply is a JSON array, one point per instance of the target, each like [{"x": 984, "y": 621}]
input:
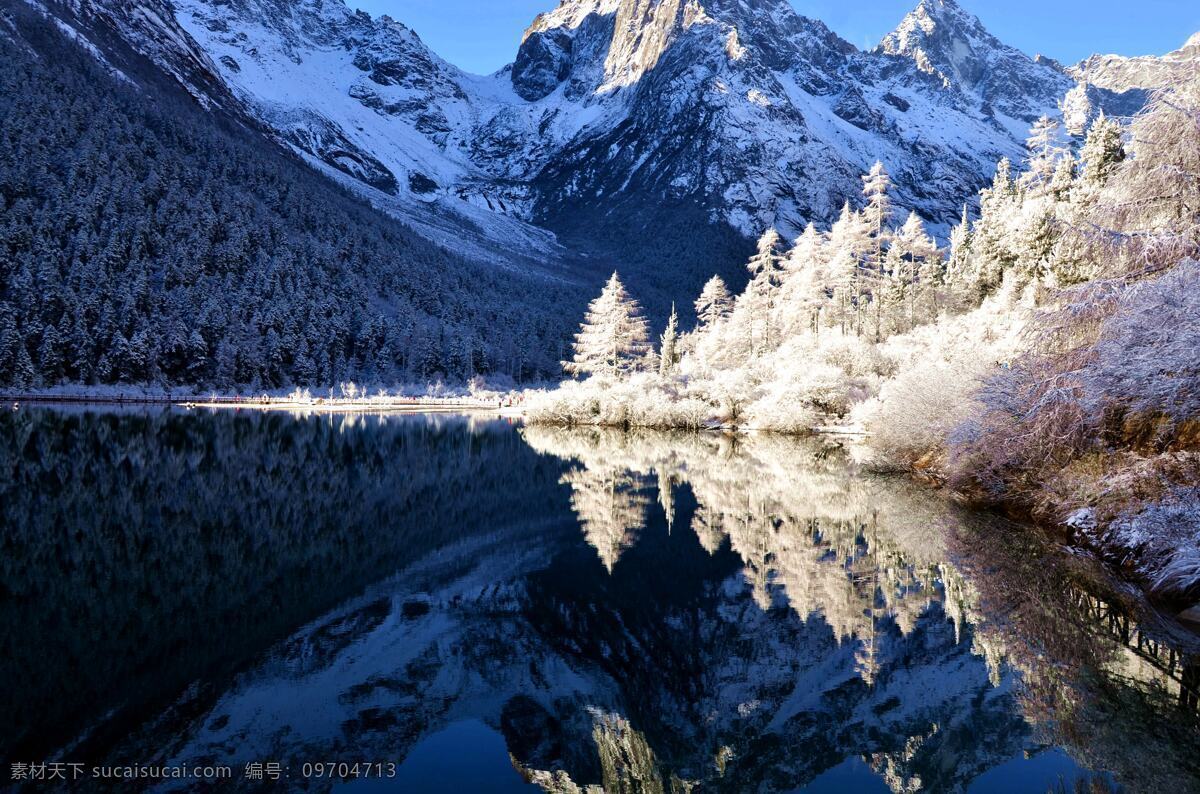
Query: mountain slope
[
  {"x": 654, "y": 136},
  {"x": 145, "y": 239}
]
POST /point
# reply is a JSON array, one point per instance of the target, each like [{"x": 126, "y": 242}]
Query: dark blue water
[{"x": 450, "y": 604}]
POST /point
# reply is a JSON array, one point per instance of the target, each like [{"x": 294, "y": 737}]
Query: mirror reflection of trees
[
  {"x": 1100, "y": 674},
  {"x": 812, "y": 532},
  {"x": 611, "y": 508}
]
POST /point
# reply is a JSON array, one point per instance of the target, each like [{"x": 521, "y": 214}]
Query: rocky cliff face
[
  {"x": 748, "y": 109},
  {"x": 952, "y": 46}
]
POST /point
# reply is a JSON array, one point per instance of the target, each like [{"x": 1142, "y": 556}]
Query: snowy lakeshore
[{"x": 336, "y": 400}]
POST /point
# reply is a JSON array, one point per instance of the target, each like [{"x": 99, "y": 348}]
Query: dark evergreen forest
[{"x": 144, "y": 240}]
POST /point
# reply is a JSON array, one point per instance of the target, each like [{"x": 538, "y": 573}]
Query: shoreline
[{"x": 287, "y": 404}]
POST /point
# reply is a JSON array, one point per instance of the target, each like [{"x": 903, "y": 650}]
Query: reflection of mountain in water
[{"x": 140, "y": 551}]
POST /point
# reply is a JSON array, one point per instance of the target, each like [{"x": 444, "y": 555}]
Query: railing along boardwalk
[{"x": 1183, "y": 669}]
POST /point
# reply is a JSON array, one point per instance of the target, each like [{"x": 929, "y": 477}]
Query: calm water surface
[{"x": 464, "y": 605}]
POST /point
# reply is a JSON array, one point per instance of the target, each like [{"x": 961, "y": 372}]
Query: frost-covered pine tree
[
  {"x": 714, "y": 303},
  {"x": 614, "y": 338},
  {"x": 24, "y": 374},
  {"x": 877, "y": 214},
  {"x": 992, "y": 246},
  {"x": 918, "y": 250},
  {"x": 766, "y": 274},
  {"x": 1044, "y": 150},
  {"x": 1064, "y": 177},
  {"x": 960, "y": 251},
  {"x": 894, "y": 294},
  {"x": 668, "y": 354},
  {"x": 878, "y": 211},
  {"x": 849, "y": 239},
  {"x": 805, "y": 284},
  {"x": 1003, "y": 184},
  {"x": 1103, "y": 150}
]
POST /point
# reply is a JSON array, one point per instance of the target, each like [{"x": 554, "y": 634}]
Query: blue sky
[{"x": 482, "y": 35}]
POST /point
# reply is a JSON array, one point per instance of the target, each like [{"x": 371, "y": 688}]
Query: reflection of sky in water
[
  {"x": 851, "y": 775},
  {"x": 467, "y": 756},
  {"x": 658, "y": 609},
  {"x": 1045, "y": 771}
]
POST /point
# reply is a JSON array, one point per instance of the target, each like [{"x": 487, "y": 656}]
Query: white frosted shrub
[
  {"x": 1166, "y": 537},
  {"x": 784, "y": 408},
  {"x": 916, "y": 410},
  {"x": 1146, "y": 357},
  {"x": 644, "y": 400}
]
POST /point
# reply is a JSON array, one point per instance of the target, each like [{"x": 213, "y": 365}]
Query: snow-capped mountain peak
[
  {"x": 946, "y": 41},
  {"x": 941, "y": 39}
]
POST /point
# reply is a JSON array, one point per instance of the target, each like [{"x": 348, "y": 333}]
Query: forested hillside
[{"x": 143, "y": 240}]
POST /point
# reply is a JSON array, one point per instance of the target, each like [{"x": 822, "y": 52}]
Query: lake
[{"x": 449, "y": 603}]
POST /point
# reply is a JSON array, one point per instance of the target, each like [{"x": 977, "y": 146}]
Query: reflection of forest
[
  {"x": 865, "y": 553},
  {"x": 142, "y": 551},
  {"x": 812, "y": 533}
]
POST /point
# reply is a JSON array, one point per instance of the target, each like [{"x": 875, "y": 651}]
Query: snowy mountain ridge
[
  {"x": 741, "y": 113},
  {"x": 1120, "y": 73}
]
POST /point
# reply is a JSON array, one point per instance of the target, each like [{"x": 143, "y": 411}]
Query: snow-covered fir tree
[
  {"x": 1044, "y": 151},
  {"x": 1102, "y": 152},
  {"x": 615, "y": 336},
  {"x": 756, "y": 310},
  {"x": 876, "y": 216},
  {"x": 805, "y": 287},
  {"x": 714, "y": 303},
  {"x": 668, "y": 355}
]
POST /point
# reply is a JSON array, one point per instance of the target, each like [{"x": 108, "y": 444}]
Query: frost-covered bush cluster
[
  {"x": 1100, "y": 411},
  {"x": 1165, "y": 535},
  {"x": 643, "y": 400},
  {"x": 1118, "y": 350}
]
